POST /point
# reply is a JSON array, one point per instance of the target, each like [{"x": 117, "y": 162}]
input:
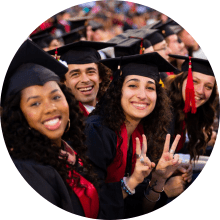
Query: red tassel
[
  {"x": 141, "y": 44},
  {"x": 189, "y": 92},
  {"x": 56, "y": 54}
]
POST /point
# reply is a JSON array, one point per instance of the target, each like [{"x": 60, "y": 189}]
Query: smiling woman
[
  {"x": 126, "y": 136},
  {"x": 194, "y": 94},
  {"x": 38, "y": 114}
]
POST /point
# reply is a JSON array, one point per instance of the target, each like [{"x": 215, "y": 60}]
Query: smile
[
  {"x": 53, "y": 124},
  {"x": 140, "y": 106},
  {"x": 86, "y": 89}
]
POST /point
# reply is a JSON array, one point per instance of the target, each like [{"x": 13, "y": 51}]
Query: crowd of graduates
[{"x": 110, "y": 109}]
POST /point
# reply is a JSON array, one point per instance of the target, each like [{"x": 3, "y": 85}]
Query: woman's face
[
  {"x": 46, "y": 109},
  {"x": 138, "y": 97},
  {"x": 203, "y": 87}
]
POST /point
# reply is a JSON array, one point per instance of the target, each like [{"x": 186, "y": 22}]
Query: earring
[{"x": 68, "y": 126}]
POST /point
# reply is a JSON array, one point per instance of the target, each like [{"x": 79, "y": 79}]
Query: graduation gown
[
  {"x": 46, "y": 181},
  {"x": 101, "y": 142}
]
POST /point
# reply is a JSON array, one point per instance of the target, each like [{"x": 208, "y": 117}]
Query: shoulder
[{"x": 95, "y": 123}]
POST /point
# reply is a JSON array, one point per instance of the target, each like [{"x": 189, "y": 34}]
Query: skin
[
  {"x": 162, "y": 49},
  {"x": 41, "y": 104},
  {"x": 54, "y": 44},
  {"x": 138, "y": 97},
  {"x": 203, "y": 87},
  {"x": 149, "y": 50},
  {"x": 83, "y": 76},
  {"x": 187, "y": 38},
  {"x": 173, "y": 44},
  {"x": 139, "y": 100}
]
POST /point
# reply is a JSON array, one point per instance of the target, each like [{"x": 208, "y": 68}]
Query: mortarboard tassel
[
  {"x": 141, "y": 44},
  {"x": 189, "y": 92},
  {"x": 56, "y": 57}
]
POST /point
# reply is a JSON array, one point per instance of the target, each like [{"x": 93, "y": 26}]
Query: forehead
[
  {"x": 141, "y": 79},
  {"x": 203, "y": 77},
  {"x": 158, "y": 45},
  {"x": 173, "y": 37},
  {"x": 37, "y": 89},
  {"x": 82, "y": 66}
]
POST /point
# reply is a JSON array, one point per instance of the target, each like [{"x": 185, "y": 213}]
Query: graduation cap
[
  {"x": 46, "y": 31},
  {"x": 95, "y": 25},
  {"x": 155, "y": 38},
  {"x": 76, "y": 22},
  {"x": 74, "y": 35},
  {"x": 30, "y": 66},
  {"x": 165, "y": 29},
  {"x": 148, "y": 65},
  {"x": 81, "y": 52},
  {"x": 176, "y": 28},
  {"x": 193, "y": 64}
]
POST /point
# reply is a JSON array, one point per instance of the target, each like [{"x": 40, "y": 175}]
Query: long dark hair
[
  {"x": 155, "y": 125},
  {"x": 197, "y": 123},
  {"x": 29, "y": 144}
]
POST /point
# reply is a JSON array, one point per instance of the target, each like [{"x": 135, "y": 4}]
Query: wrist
[
  {"x": 132, "y": 182},
  {"x": 157, "y": 184}
]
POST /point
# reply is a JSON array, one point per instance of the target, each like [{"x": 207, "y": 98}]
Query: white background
[{"x": 19, "y": 19}]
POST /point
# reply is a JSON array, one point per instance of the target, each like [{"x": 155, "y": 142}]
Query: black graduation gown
[
  {"x": 101, "y": 142},
  {"x": 48, "y": 183}
]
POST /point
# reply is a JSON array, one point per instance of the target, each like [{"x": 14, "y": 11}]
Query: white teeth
[
  {"x": 85, "y": 89},
  {"x": 52, "y": 122},
  {"x": 197, "y": 98},
  {"x": 140, "y": 105}
]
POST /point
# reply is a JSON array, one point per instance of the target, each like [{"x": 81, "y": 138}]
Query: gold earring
[{"x": 68, "y": 126}]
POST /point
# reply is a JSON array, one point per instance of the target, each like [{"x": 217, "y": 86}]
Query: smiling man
[{"x": 87, "y": 78}]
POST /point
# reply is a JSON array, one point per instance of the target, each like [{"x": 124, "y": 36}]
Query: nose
[
  {"x": 84, "y": 78},
  {"x": 200, "y": 89},
  {"x": 141, "y": 94},
  {"x": 49, "y": 107}
]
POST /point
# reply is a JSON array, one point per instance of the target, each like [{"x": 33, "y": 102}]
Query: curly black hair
[
  {"x": 195, "y": 123},
  {"x": 29, "y": 144},
  {"x": 155, "y": 125}
]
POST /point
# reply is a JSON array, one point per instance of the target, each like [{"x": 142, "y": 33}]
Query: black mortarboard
[
  {"x": 76, "y": 22},
  {"x": 81, "y": 52},
  {"x": 148, "y": 65},
  {"x": 30, "y": 66},
  {"x": 129, "y": 46},
  {"x": 176, "y": 28},
  {"x": 40, "y": 40},
  {"x": 155, "y": 38},
  {"x": 73, "y": 35},
  {"x": 139, "y": 33},
  {"x": 198, "y": 65},
  {"x": 165, "y": 29},
  {"x": 95, "y": 25}
]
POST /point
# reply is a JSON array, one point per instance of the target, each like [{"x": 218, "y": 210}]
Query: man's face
[
  {"x": 83, "y": 80},
  {"x": 162, "y": 49},
  {"x": 173, "y": 44}
]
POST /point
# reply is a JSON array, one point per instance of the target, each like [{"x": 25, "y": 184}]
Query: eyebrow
[
  {"x": 137, "y": 80},
  {"x": 37, "y": 96}
]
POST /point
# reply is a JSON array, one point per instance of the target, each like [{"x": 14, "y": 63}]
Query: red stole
[
  {"x": 116, "y": 170},
  {"x": 87, "y": 195},
  {"x": 83, "y": 109},
  {"x": 182, "y": 139},
  {"x": 170, "y": 73}
]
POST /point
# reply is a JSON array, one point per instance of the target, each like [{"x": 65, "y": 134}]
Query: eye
[
  {"x": 150, "y": 88},
  {"x": 194, "y": 81},
  {"x": 132, "y": 86},
  {"x": 35, "y": 104},
  {"x": 209, "y": 87},
  {"x": 56, "y": 97},
  {"x": 74, "y": 75}
]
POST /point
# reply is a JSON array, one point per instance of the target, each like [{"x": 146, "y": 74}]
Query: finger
[
  {"x": 167, "y": 144},
  {"x": 144, "y": 145},
  {"x": 138, "y": 146},
  {"x": 176, "y": 160},
  {"x": 175, "y": 143}
]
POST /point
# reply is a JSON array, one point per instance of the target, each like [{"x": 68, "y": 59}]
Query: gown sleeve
[
  {"x": 46, "y": 181},
  {"x": 101, "y": 142}
]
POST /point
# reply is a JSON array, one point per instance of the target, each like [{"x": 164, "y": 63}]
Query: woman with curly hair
[
  {"x": 38, "y": 113},
  {"x": 134, "y": 112},
  {"x": 87, "y": 78},
  {"x": 193, "y": 94}
]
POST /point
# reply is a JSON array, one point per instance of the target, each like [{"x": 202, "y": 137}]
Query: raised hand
[
  {"x": 143, "y": 166},
  {"x": 168, "y": 162}
]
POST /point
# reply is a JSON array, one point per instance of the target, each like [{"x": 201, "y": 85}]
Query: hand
[
  {"x": 174, "y": 186},
  {"x": 167, "y": 163},
  {"x": 142, "y": 168},
  {"x": 187, "y": 170}
]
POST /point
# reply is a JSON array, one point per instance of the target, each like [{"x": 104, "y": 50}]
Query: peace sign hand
[
  {"x": 168, "y": 162},
  {"x": 143, "y": 166}
]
